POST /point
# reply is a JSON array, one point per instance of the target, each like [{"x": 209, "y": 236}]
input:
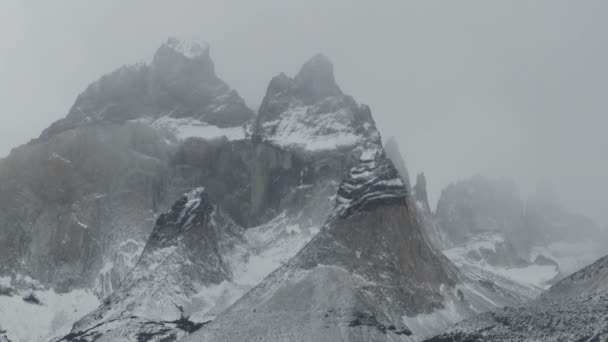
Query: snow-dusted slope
[
  {"x": 197, "y": 263},
  {"x": 574, "y": 309},
  {"x": 311, "y": 113},
  {"x": 369, "y": 275},
  {"x": 39, "y": 314},
  {"x": 485, "y": 256}
]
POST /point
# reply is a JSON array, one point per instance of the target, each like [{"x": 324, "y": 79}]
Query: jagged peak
[
  {"x": 421, "y": 181},
  {"x": 420, "y": 193},
  {"x": 316, "y": 79},
  {"x": 192, "y": 208},
  {"x": 188, "y": 47}
]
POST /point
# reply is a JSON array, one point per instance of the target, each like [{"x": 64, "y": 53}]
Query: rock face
[
  {"x": 574, "y": 309},
  {"x": 369, "y": 275},
  {"x": 186, "y": 251}
]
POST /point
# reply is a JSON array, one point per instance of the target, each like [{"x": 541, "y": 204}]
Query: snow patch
[
  {"x": 184, "y": 128},
  {"x": 189, "y": 48},
  {"x": 313, "y": 132},
  {"x": 27, "y": 322},
  {"x": 5, "y": 281},
  {"x": 56, "y": 156}
]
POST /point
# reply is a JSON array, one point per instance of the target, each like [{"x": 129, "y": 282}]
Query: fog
[{"x": 508, "y": 88}]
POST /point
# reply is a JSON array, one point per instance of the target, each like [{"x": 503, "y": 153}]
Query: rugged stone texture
[
  {"x": 574, "y": 309},
  {"x": 359, "y": 279},
  {"x": 186, "y": 249}
]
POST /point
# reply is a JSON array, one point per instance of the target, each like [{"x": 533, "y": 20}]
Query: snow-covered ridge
[
  {"x": 300, "y": 127},
  {"x": 189, "y": 48},
  {"x": 310, "y": 112},
  {"x": 185, "y": 128}
]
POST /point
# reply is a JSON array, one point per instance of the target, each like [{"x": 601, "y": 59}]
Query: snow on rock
[
  {"x": 570, "y": 256},
  {"x": 196, "y": 264},
  {"x": 471, "y": 257},
  {"x": 190, "y": 48},
  {"x": 310, "y": 112},
  {"x": 374, "y": 180},
  {"x": 300, "y": 127},
  {"x": 184, "y": 128}
]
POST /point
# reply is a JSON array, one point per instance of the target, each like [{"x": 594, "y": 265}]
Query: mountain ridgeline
[{"x": 185, "y": 216}]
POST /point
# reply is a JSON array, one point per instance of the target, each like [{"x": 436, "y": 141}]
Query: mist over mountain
[{"x": 224, "y": 192}]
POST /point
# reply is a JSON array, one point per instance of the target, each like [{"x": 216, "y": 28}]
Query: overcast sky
[{"x": 499, "y": 88}]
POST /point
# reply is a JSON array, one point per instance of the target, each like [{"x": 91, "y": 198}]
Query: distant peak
[
  {"x": 421, "y": 181},
  {"x": 317, "y": 77},
  {"x": 190, "y": 48},
  {"x": 420, "y": 192}
]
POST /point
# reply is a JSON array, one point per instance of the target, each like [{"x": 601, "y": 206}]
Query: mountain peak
[
  {"x": 190, "y": 48},
  {"x": 316, "y": 79},
  {"x": 420, "y": 193},
  {"x": 191, "y": 209}
]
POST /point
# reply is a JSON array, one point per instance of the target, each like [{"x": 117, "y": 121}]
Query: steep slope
[
  {"x": 196, "y": 263},
  {"x": 369, "y": 275},
  {"x": 574, "y": 309},
  {"x": 184, "y": 253}
]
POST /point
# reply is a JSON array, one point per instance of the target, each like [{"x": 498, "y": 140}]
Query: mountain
[
  {"x": 574, "y": 309},
  {"x": 162, "y": 208},
  {"x": 180, "y": 82},
  {"x": 196, "y": 263},
  {"x": 489, "y": 232},
  {"x": 77, "y": 205},
  {"x": 290, "y": 189}
]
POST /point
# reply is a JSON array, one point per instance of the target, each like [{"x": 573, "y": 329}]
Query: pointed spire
[{"x": 316, "y": 80}]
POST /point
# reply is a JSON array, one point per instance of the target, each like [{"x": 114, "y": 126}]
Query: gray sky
[{"x": 500, "y": 88}]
